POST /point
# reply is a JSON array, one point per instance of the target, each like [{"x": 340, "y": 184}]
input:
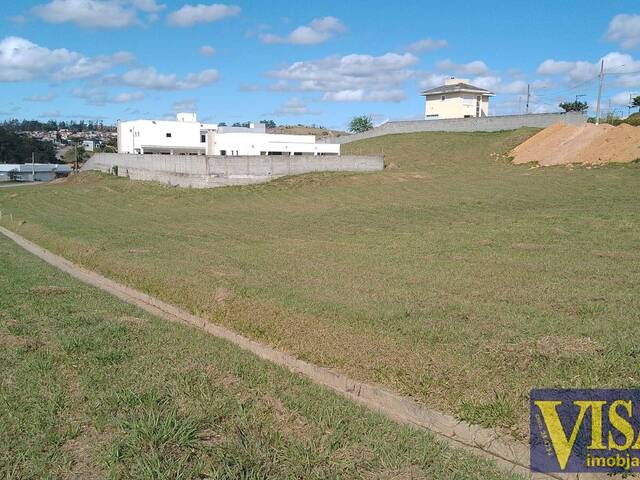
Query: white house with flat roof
[
  {"x": 456, "y": 99},
  {"x": 187, "y": 136}
]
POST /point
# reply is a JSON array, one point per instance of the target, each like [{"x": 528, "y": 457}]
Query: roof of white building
[{"x": 457, "y": 88}]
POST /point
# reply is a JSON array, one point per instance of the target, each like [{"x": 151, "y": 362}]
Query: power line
[
  {"x": 573, "y": 88},
  {"x": 622, "y": 73},
  {"x": 567, "y": 90}
]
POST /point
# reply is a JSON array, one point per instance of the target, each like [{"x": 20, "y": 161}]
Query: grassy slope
[
  {"x": 93, "y": 388},
  {"x": 455, "y": 277}
]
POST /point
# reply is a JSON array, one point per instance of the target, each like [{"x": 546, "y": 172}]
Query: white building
[
  {"x": 187, "y": 136},
  {"x": 6, "y": 171},
  {"x": 33, "y": 172},
  {"x": 89, "y": 145},
  {"x": 456, "y": 99}
]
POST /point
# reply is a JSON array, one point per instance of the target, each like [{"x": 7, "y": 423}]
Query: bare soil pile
[{"x": 562, "y": 144}]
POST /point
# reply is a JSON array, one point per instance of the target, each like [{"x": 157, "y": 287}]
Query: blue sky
[{"x": 306, "y": 62}]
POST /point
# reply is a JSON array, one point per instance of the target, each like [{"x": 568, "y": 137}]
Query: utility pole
[
  {"x": 528, "y": 96},
  {"x": 600, "y": 92}
]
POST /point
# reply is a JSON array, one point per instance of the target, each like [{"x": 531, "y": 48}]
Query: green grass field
[
  {"x": 94, "y": 388},
  {"x": 453, "y": 276}
]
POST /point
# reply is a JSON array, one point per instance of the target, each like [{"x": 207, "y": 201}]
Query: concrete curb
[{"x": 508, "y": 454}]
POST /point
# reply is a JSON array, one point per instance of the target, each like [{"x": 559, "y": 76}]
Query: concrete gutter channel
[{"x": 508, "y": 454}]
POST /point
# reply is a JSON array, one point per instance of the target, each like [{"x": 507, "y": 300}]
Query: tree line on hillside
[
  {"x": 19, "y": 149},
  {"x": 15, "y": 125}
]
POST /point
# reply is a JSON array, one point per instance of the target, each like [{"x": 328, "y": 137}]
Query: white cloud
[
  {"x": 294, "y": 106},
  {"x": 477, "y": 67},
  {"x": 341, "y": 78},
  {"x": 621, "y": 99},
  {"x": 248, "y": 87},
  {"x": 361, "y": 95},
  {"x": 580, "y": 72},
  {"x": 189, "y": 15},
  {"x": 99, "y": 96},
  {"x": 50, "y": 114},
  {"x": 494, "y": 83},
  {"x": 207, "y": 51},
  {"x": 542, "y": 84},
  {"x": 22, "y": 60},
  {"x": 490, "y": 82},
  {"x": 90, "y": 67},
  {"x": 87, "y": 13},
  {"x": 40, "y": 98},
  {"x": 628, "y": 81},
  {"x": 148, "y": 6},
  {"x": 427, "y": 45},
  {"x": 555, "y": 67},
  {"x": 127, "y": 97},
  {"x": 431, "y": 80},
  {"x": 149, "y": 78},
  {"x": 318, "y": 31},
  {"x": 624, "y": 29},
  {"x": 186, "y": 105}
]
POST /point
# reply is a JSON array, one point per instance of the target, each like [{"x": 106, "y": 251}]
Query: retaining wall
[
  {"x": 199, "y": 171},
  {"x": 475, "y": 124}
]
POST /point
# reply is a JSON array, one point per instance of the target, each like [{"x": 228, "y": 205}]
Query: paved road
[{"x": 20, "y": 184}]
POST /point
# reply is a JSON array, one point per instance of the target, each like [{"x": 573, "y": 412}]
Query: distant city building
[
  {"x": 456, "y": 99},
  {"x": 187, "y": 136}
]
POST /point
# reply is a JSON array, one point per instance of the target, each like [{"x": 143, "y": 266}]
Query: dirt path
[{"x": 510, "y": 455}]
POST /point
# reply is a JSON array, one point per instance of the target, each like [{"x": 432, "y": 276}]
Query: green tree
[
  {"x": 76, "y": 153},
  {"x": 576, "y": 106},
  {"x": 636, "y": 102},
  {"x": 360, "y": 124},
  {"x": 20, "y": 148},
  {"x": 268, "y": 123}
]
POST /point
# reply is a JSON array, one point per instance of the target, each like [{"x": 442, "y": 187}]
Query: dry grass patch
[
  {"x": 286, "y": 421},
  {"x": 567, "y": 346},
  {"x": 50, "y": 290},
  {"x": 24, "y": 343},
  {"x": 82, "y": 451},
  {"x": 222, "y": 295},
  {"x": 131, "y": 320}
]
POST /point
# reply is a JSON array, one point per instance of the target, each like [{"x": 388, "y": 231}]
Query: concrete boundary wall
[
  {"x": 475, "y": 124},
  {"x": 199, "y": 171},
  {"x": 508, "y": 454}
]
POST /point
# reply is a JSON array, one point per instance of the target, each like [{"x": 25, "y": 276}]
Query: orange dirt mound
[{"x": 562, "y": 144}]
